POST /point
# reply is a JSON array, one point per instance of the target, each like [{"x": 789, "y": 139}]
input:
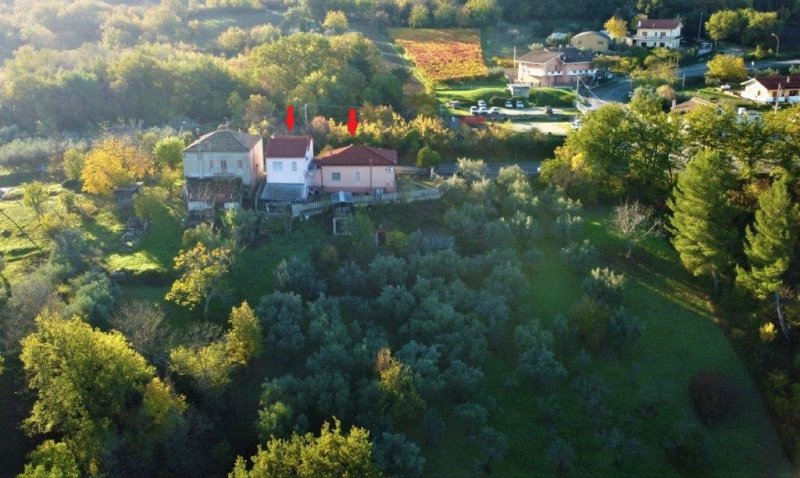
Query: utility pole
[
  {"x": 778, "y": 46},
  {"x": 305, "y": 115},
  {"x": 700, "y": 26},
  {"x": 778, "y": 97}
]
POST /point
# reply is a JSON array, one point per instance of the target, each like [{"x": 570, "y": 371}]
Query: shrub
[
  {"x": 624, "y": 329},
  {"x": 713, "y": 396},
  {"x": 590, "y": 319},
  {"x": 296, "y": 275},
  {"x": 605, "y": 286},
  {"x": 578, "y": 255},
  {"x": 685, "y": 446}
]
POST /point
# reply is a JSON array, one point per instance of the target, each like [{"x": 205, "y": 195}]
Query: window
[
  {"x": 240, "y": 165},
  {"x": 277, "y": 166},
  {"x": 336, "y": 176},
  {"x": 663, "y": 34},
  {"x": 644, "y": 34},
  {"x": 223, "y": 166},
  {"x": 294, "y": 165},
  {"x": 793, "y": 93},
  {"x": 358, "y": 176}
]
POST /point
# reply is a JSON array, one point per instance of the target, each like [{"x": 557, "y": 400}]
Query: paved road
[
  {"x": 700, "y": 69},
  {"x": 492, "y": 169}
]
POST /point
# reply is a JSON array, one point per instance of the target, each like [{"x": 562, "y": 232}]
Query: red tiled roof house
[
  {"x": 287, "y": 166},
  {"x": 771, "y": 89},
  {"x": 357, "y": 169}
]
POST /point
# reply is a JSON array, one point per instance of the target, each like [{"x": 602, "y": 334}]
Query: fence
[
  {"x": 318, "y": 207},
  {"x": 411, "y": 171}
]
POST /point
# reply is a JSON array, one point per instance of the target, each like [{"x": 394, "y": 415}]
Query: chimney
[{"x": 674, "y": 103}]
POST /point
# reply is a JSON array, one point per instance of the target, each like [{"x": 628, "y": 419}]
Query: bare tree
[
  {"x": 142, "y": 323},
  {"x": 634, "y": 222}
]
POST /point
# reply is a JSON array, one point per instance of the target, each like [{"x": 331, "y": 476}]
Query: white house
[
  {"x": 221, "y": 168},
  {"x": 287, "y": 167},
  {"x": 771, "y": 89},
  {"x": 658, "y": 33}
]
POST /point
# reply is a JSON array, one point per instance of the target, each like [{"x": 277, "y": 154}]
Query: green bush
[
  {"x": 685, "y": 446},
  {"x": 713, "y": 396}
]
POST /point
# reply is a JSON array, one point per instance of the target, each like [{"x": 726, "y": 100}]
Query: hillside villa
[
  {"x": 771, "y": 89},
  {"x": 662, "y": 33},
  {"x": 554, "y": 67}
]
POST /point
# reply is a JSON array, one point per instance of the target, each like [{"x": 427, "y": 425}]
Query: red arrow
[
  {"x": 352, "y": 122},
  {"x": 290, "y": 117}
]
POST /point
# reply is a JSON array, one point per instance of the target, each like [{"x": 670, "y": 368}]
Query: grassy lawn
[
  {"x": 681, "y": 338},
  {"x": 471, "y": 92},
  {"x": 714, "y": 95},
  {"x": 211, "y": 24}
]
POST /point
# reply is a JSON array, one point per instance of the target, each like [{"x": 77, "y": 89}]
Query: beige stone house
[{"x": 596, "y": 42}]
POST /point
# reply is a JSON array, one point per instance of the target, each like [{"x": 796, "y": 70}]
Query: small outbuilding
[{"x": 597, "y": 42}]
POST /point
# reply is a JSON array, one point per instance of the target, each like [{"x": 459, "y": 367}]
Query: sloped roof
[
  {"x": 358, "y": 155},
  {"x": 691, "y": 104},
  {"x": 590, "y": 33},
  {"x": 773, "y": 82},
  {"x": 667, "y": 24},
  {"x": 224, "y": 141},
  {"x": 287, "y": 146},
  {"x": 568, "y": 55},
  {"x": 282, "y": 192}
]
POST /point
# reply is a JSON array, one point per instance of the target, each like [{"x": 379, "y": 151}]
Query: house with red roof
[
  {"x": 659, "y": 32},
  {"x": 772, "y": 89},
  {"x": 287, "y": 160},
  {"x": 357, "y": 169}
]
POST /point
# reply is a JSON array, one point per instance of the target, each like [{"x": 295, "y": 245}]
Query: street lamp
[{"x": 778, "y": 47}]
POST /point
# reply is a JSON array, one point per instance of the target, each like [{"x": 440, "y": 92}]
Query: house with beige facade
[
  {"x": 287, "y": 160},
  {"x": 595, "y": 42},
  {"x": 773, "y": 89},
  {"x": 221, "y": 168},
  {"x": 357, "y": 169},
  {"x": 554, "y": 67},
  {"x": 663, "y": 33}
]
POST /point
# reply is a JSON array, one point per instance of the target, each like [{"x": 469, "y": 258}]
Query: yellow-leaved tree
[{"x": 114, "y": 162}]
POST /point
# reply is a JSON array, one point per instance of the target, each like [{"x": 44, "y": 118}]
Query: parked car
[
  {"x": 481, "y": 104},
  {"x": 482, "y": 110},
  {"x": 725, "y": 87},
  {"x": 520, "y": 104},
  {"x": 548, "y": 110},
  {"x": 576, "y": 123},
  {"x": 509, "y": 104},
  {"x": 494, "y": 110},
  {"x": 473, "y": 110},
  {"x": 454, "y": 104}
]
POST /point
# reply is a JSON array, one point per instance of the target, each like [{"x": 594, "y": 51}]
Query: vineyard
[{"x": 443, "y": 55}]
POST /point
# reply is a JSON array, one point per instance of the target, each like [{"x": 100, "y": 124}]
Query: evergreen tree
[
  {"x": 769, "y": 244},
  {"x": 702, "y": 218}
]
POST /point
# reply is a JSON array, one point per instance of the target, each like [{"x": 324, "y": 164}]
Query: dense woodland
[{"x": 336, "y": 356}]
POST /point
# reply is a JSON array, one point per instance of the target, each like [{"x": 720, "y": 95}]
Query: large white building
[
  {"x": 221, "y": 168},
  {"x": 287, "y": 167},
  {"x": 662, "y": 33}
]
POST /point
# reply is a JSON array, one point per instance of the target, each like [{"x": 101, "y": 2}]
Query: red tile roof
[
  {"x": 785, "y": 82},
  {"x": 287, "y": 146},
  {"x": 357, "y": 155},
  {"x": 666, "y": 24}
]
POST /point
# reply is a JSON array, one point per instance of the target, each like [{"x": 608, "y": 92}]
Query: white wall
[
  {"x": 208, "y": 165},
  {"x": 288, "y": 175}
]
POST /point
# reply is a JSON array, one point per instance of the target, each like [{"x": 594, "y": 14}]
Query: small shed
[{"x": 519, "y": 89}]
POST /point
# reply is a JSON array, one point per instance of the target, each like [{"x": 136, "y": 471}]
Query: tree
[
  {"x": 51, "y": 459},
  {"x": 335, "y": 20},
  {"x": 112, "y": 163},
  {"x": 242, "y": 225},
  {"x": 232, "y": 40},
  {"x": 419, "y": 16},
  {"x": 143, "y": 324},
  {"x": 244, "y": 337},
  {"x": 34, "y": 195},
  {"x": 726, "y": 68},
  {"x": 428, "y": 157},
  {"x": 168, "y": 152},
  {"x": 702, "y": 218},
  {"x": 725, "y": 24},
  {"x": 331, "y": 454},
  {"x": 209, "y": 367},
  {"x": 93, "y": 390},
  {"x": 560, "y": 453},
  {"x": 616, "y": 27},
  {"x": 482, "y": 12},
  {"x": 73, "y": 163},
  {"x": 634, "y": 222},
  {"x": 203, "y": 270},
  {"x": 769, "y": 246},
  {"x": 150, "y": 202},
  {"x": 299, "y": 276},
  {"x": 396, "y": 383}
]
